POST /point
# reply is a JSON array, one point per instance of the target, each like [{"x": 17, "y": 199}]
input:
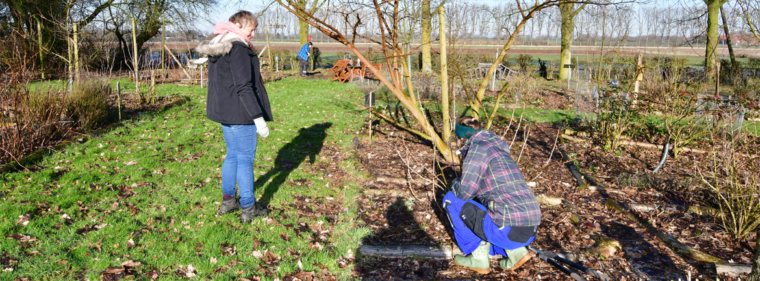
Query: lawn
[{"x": 148, "y": 190}]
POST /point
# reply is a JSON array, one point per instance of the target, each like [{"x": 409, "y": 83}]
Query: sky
[{"x": 226, "y": 8}]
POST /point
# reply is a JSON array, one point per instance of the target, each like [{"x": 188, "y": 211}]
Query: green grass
[{"x": 173, "y": 159}]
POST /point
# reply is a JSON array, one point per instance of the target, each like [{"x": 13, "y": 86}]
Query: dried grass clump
[{"x": 89, "y": 103}]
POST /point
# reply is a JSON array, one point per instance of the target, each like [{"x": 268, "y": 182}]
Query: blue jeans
[
  {"x": 238, "y": 165},
  {"x": 467, "y": 240}
]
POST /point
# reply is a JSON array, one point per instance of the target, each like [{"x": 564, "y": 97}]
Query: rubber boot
[
  {"x": 515, "y": 258},
  {"x": 477, "y": 260},
  {"x": 228, "y": 205}
]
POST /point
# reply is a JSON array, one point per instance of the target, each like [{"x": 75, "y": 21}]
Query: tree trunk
[
  {"x": 711, "y": 49},
  {"x": 446, "y": 134},
  {"x": 734, "y": 65},
  {"x": 755, "y": 275},
  {"x": 303, "y": 26},
  {"x": 426, "y": 31},
  {"x": 568, "y": 16}
]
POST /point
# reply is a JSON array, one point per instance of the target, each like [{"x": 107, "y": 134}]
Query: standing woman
[{"x": 238, "y": 100}]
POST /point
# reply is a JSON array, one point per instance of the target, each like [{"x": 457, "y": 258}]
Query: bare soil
[{"x": 411, "y": 213}]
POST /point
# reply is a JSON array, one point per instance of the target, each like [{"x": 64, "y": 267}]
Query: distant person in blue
[{"x": 303, "y": 57}]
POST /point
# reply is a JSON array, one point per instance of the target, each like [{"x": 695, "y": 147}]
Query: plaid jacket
[
  {"x": 490, "y": 175},
  {"x": 304, "y": 52}
]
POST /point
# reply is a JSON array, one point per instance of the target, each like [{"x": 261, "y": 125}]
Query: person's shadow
[{"x": 307, "y": 144}]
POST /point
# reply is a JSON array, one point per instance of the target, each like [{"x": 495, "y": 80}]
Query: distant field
[{"x": 550, "y": 53}]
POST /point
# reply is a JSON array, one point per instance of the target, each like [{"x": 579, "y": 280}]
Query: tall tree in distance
[
  {"x": 303, "y": 26},
  {"x": 751, "y": 16},
  {"x": 427, "y": 29},
  {"x": 426, "y": 32},
  {"x": 711, "y": 50},
  {"x": 568, "y": 13}
]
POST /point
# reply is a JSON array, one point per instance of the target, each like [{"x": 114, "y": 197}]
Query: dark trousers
[{"x": 303, "y": 64}]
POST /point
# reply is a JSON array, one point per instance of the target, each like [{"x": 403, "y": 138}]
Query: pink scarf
[{"x": 225, "y": 27}]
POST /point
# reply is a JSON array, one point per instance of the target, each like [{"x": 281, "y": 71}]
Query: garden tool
[{"x": 555, "y": 260}]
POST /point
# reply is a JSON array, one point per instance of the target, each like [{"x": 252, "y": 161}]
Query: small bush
[
  {"x": 734, "y": 181},
  {"x": 33, "y": 121},
  {"x": 614, "y": 118},
  {"x": 89, "y": 103},
  {"x": 524, "y": 62}
]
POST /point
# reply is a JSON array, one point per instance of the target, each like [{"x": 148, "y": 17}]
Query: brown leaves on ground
[
  {"x": 22, "y": 238},
  {"x": 127, "y": 270},
  {"x": 24, "y": 219},
  {"x": 228, "y": 249},
  {"x": 186, "y": 272},
  {"x": 88, "y": 228},
  {"x": 300, "y": 276}
]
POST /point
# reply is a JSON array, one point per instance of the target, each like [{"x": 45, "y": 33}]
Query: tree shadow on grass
[{"x": 307, "y": 144}]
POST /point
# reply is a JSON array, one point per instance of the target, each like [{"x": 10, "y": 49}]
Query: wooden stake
[
  {"x": 76, "y": 53},
  {"x": 163, "y": 56},
  {"x": 269, "y": 53},
  {"x": 639, "y": 74},
  {"x": 39, "y": 42},
  {"x": 717, "y": 79},
  {"x": 135, "y": 63},
  {"x": 118, "y": 98},
  {"x": 152, "y": 88}
]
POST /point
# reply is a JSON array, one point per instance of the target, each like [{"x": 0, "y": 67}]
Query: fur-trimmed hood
[{"x": 220, "y": 45}]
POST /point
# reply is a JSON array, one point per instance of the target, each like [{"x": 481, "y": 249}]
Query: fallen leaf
[
  {"x": 131, "y": 263},
  {"x": 24, "y": 219},
  {"x": 257, "y": 254}
]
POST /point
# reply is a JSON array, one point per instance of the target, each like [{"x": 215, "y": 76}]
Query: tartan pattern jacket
[{"x": 491, "y": 176}]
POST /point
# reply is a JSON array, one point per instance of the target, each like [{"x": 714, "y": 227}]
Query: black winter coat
[{"x": 236, "y": 93}]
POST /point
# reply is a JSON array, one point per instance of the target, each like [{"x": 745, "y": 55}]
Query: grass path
[{"x": 148, "y": 191}]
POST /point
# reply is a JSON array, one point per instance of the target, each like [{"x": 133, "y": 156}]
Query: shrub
[
  {"x": 613, "y": 119},
  {"x": 524, "y": 62},
  {"x": 682, "y": 124},
  {"x": 89, "y": 103},
  {"x": 734, "y": 181},
  {"x": 31, "y": 122}
]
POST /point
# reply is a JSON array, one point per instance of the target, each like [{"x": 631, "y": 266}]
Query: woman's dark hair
[
  {"x": 469, "y": 121},
  {"x": 245, "y": 18}
]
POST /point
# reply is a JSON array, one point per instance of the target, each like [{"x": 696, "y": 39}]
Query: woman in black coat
[{"x": 238, "y": 101}]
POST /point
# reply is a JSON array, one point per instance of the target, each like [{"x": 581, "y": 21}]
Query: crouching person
[{"x": 491, "y": 208}]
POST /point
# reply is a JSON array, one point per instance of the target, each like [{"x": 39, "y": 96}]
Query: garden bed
[{"x": 409, "y": 212}]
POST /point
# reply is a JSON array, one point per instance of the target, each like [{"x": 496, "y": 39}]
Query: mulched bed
[{"x": 410, "y": 213}]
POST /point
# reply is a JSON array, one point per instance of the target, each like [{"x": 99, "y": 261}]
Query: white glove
[{"x": 261, "y": 127}]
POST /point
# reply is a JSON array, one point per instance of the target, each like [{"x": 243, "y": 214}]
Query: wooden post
[
  {"x": 639, "y": 74},
  {"x": 269, "y": 53},
  {"x": 135, "y": 63},
  {"x": 76, "y": 53},
  {"x": 201, "y": 76},
  {"x": 163, "y": 57},
  {"x": 39, "y": 42},
  {"x": 493, "y": 82},
  {"x": 152, "y": 88},
  {"x": 118, "y": 98},
  {"x": 717, "y": 79}
]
